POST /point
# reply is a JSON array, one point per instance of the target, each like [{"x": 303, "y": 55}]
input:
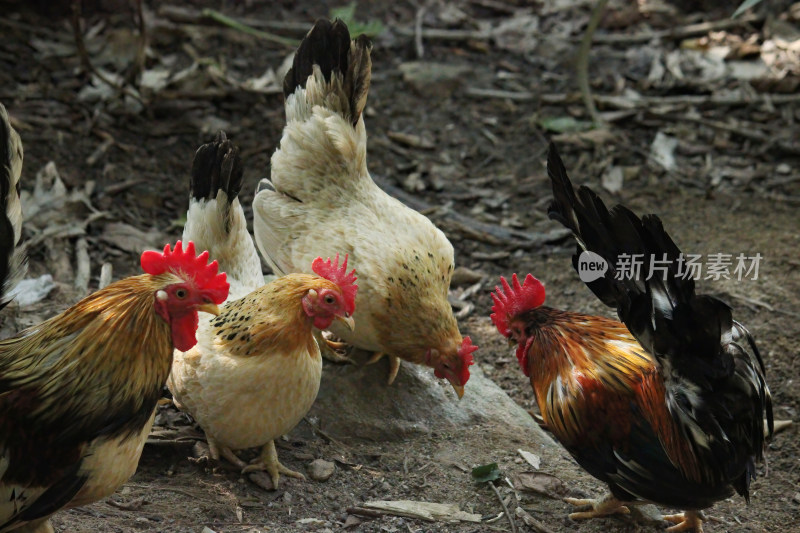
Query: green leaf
[
  {"x": 565, "y": 124},
  {"x": 485, "y": 473},
  {"x": 747, "y": 4},
  {"x": 347, "y": 13}
]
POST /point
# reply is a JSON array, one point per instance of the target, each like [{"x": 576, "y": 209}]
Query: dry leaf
[{"x": 544, "y": 484}]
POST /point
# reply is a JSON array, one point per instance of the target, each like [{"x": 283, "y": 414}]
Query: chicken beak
[
  {"x": 459, "y": 390},
  {"x": 511, "y": 342},
  {"x": 347, "y": 321},
  {"x": 209, "y": 307}
]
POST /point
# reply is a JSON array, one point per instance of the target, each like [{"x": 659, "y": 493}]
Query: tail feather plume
[{"x": 343, "y": 63}]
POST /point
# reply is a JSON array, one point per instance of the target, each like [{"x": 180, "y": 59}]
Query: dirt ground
[{"x": 734, "y": 188}]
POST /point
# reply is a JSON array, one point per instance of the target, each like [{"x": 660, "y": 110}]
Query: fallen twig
[
  {"x": 505, "y": 508},
  {"x": 225, "y": 20},
  {"x": 83, "y": 54},
  {"x": 620, "y": 102},
  {"x": 679, "y": 32},
  {"x": 531, "y": 521},
  {"x": 418, "y": 29},
  {"x": 582, "y": 62}
]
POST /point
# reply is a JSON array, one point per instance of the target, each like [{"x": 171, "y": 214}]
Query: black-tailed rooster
[{"x": 666, "y": 406}]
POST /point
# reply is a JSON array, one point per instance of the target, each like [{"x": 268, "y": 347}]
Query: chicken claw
[
  {"x": 268, "y": 461},
  {"x": 328, "y": 349},
  {"x": 394, "y": 364},
  {"x": 216, "y": 451},
  {"x": 686, "y": 521},
  {"x": 604, "y": 506}
]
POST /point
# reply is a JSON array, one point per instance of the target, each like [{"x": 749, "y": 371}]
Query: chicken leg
[
  {"x": 687, "y": 521},
  {"x": 394, "y": 364},
  {"x": 268, "y": 461},
  {"x": 607, "y": 505}
]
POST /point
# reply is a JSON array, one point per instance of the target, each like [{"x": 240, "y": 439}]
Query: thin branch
[
  {"x": 582, "y": 63},
  {"x": 505, "y": 508},
  {"x": 225, "y": 20},
  {"x": 680, "y": 32},
  {"x": 418, "y": 30},
  {"x": 83, "y": 54}
]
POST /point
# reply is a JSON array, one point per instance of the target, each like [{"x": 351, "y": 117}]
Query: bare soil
[{"x": 730, "y": 193}]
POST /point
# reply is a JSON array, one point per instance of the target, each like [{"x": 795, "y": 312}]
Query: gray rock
[
  {"x": 320, "y": 470},
  {"x": 354, "y": 402}
]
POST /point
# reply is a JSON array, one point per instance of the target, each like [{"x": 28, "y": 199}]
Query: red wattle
[
  {"x": 522, "y": 355},
  {"x": 184, "y": 329}
]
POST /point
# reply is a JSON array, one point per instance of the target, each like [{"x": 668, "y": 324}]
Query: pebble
[{"x": 320, "y": 470}]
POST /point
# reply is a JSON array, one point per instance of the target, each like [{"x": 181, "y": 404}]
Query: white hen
[{"x": 321, "y": 200}]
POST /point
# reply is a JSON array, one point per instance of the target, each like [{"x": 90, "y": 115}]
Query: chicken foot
[
  {"x": 394, "y": 364},
  {"x": 687, "y": 521},
  {"x": 218, "y": 451},
  {"x": 604, "y": 506},
  {"x": 268, "y": 461},
  {"x": 330, "y": 349}
]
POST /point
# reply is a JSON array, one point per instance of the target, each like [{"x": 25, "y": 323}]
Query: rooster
[
  {"x": 322, "y": 200},
  {"x": 78, "y": 392},
  {"x": 12, "y": 255},
  {"x": 256, "y": 368},
  {"x": 665, "y": 406}
]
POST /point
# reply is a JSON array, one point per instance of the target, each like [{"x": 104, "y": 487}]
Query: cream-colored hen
[
  {"x": 256, "y": 368},
  {"x": 321, "y": 200}
]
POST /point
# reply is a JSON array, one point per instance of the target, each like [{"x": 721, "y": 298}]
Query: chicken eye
[
  {"x": 330, "y": 300},
  {"x": 180, "y": 293}
]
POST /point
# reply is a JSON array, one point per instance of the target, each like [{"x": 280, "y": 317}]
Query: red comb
[
  {"x": 465, "y": 353},
  {"x": 513, "y": 301},
  {"x": 185, "y": 264},
  {"x": 346, "y": 281}
]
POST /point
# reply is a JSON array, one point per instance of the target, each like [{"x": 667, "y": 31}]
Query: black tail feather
[
  {"x": 328, "y": 46},
  {"x": 216, "y": 166},
  {"x": 659, "y": 307}
]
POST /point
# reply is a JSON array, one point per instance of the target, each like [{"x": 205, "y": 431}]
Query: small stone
[
  {"x": 796, "y": 497},
  {"x": 320, "y": 470},
  {"x": 783, "y": 168},
  {"x": 465, "y": 276},
  {"x": 287, "y": 497}
]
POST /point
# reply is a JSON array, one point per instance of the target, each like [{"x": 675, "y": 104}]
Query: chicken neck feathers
[
  {"x": 59, "y": 396},
  {"x": 712, "y": 372},
  {"x": 12, "y": 256},
  {"x": 215, "y": 220}
]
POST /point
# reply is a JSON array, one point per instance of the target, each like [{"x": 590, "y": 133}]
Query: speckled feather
[{"x": 256, "y": 368}]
